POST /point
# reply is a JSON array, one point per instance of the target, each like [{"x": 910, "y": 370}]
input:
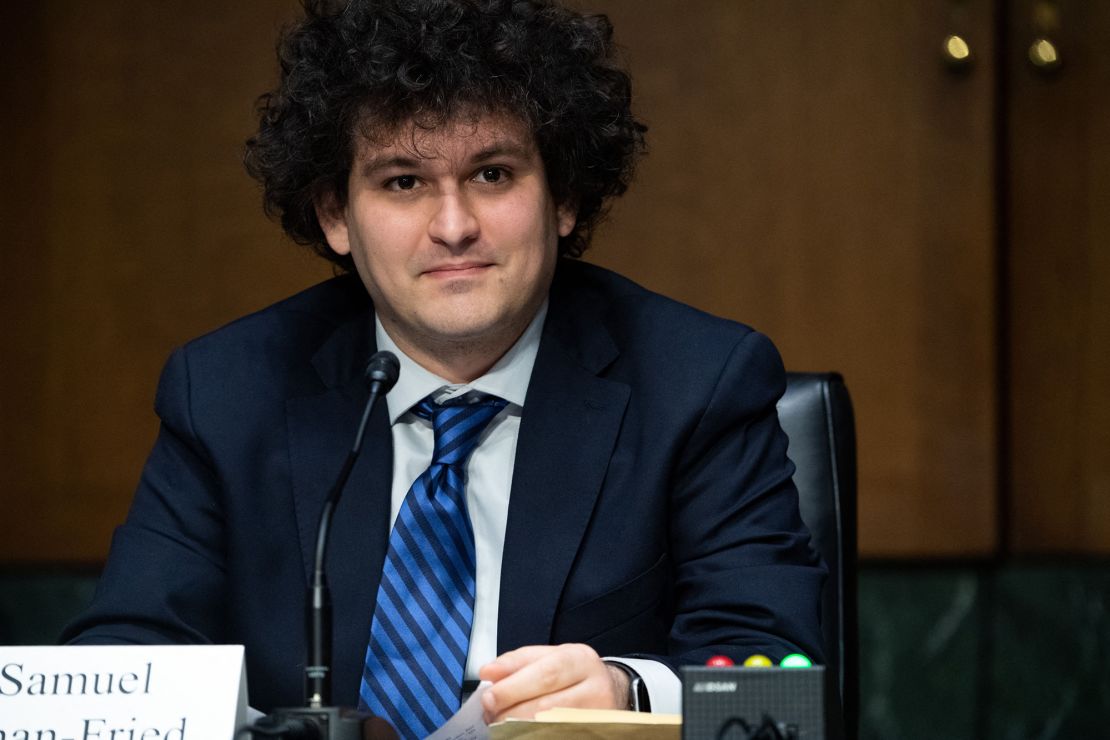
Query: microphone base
[{"x": 325, "y": 723}]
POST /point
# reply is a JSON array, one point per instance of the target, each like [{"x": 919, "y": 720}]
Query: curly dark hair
[{"x": 375, "y": 65}]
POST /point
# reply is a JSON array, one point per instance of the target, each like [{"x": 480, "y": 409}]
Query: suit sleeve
[
  {"x": 746, "y": 579},
  {"x": 165, "y": 579}
]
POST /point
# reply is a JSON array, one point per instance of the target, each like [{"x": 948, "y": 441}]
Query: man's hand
[{"x": 538, "y": 677}]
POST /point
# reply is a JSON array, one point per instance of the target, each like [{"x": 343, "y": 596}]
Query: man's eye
[
  {"x": 491, "y": 174},
  {"x": 403, "y": 182}
]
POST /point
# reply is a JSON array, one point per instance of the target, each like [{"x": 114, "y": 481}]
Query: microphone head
[{"x": 382, "y": 370}]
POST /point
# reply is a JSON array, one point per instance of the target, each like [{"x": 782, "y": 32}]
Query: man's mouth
[{"x": 456, "y": 270}]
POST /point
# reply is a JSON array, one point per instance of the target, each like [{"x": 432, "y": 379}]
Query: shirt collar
[{"x": 507, "y": 379}]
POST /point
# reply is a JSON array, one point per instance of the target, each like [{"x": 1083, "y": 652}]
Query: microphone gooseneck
[
  {"x": 381, "y": 374},
  {"x": 318, "y": 720}
]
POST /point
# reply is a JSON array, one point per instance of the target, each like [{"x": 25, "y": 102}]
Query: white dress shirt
[{"x": 489, "y": 480}]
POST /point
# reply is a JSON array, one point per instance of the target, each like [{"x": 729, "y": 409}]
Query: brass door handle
[
  {"x": 1044, "y": 55},
  {"x": 956, "y": 51}
]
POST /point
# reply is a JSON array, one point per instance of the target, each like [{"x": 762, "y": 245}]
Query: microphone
[
  {"x": 318, "y": 720},
  {"x": 380, "y": 375}
]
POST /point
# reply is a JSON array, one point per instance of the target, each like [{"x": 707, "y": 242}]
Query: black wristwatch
[{"x": 638, "y": 699}]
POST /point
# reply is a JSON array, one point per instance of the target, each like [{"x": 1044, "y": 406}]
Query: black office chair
[{"x": 816, "y": 413}]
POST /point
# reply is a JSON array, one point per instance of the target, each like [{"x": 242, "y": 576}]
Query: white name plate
[{"x": 132, "y": 692}]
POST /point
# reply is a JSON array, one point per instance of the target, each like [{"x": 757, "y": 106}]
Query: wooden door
[
  {"x": 818, "y": 171},
  {"x": 1058, "y": 266}
]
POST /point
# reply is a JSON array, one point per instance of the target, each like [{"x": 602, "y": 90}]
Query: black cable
[{"x": 768, "y": 729}]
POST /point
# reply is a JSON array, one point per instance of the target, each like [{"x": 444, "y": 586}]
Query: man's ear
[
  {"x": 566, "y": 216},
  {"x": 333, "y": 221}
]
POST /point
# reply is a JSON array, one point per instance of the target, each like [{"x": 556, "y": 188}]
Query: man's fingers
[
  {"x": 493, "y": 672},
  {"x": 541, "y": 677},
  {"x": 508, "y": 663},
  {"x": 515, "y": 659},
  {"x": 547, "y": 672},
  {"x": 528, "y": 709}
]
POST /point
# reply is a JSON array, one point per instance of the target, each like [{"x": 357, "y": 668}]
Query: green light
[{"x": 796, "y": 660}]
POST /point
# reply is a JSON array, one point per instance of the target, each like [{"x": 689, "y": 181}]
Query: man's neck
[
  {"x": 457, "y": 361},
  {"x": 508, "y": 378}
]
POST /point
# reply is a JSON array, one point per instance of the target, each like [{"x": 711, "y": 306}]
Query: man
[{"x": 625, "y": 503}]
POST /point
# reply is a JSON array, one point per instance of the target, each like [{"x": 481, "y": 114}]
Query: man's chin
[
  {"x": 476, "y": 335},
  {"x": 472, "y": 332}
]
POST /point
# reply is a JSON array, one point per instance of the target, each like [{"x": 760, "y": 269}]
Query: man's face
[{"x": 454, "y": 233}]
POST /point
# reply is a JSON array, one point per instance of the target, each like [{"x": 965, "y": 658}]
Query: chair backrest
[{"x": 816, "y": 413}]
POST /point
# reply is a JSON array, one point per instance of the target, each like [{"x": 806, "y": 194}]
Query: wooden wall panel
[
  {"x": 24, "y": 269},
  {"x": 815, "y": 171},
  {"x": 1059, "y": 267},
  {"x": 135, "y": 229}
]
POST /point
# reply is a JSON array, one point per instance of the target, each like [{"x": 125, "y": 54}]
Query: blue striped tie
[{"x": 421, "y": 630}]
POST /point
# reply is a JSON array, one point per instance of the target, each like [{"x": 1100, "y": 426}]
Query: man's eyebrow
[
  {"x": 510, "y": 149},
  {"x": 375, "y": 164}
]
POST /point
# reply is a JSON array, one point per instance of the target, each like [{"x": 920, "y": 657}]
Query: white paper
[{"x": 467, "y": 723}]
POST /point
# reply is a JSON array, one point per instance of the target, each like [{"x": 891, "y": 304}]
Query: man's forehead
[{"x": 459, "y": 137}]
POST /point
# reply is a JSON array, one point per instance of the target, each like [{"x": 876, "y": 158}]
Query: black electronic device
[{"x": 765, "y": 703}]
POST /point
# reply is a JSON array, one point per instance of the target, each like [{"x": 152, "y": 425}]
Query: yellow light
[{"x": 956, "y": 48}]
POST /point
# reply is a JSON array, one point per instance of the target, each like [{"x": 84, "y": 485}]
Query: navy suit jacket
[{"x": 652, "y": 512}]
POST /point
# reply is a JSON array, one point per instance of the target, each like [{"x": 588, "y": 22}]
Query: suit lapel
[
  {"x": 567, "y": 434},
  {"x": 321, "y": 430}
]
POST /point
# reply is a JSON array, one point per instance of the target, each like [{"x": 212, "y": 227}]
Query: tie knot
[{"x": 458, "y": 423}]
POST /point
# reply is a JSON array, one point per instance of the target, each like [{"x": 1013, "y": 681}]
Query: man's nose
[{"x": 454, "y": 224}]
